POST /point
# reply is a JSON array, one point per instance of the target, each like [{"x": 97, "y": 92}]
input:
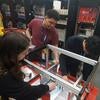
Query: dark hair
[
  {"x": 93, "y": 45},
  {"x": 51, "y": 13},
  {"x": 11, "y": 45}
]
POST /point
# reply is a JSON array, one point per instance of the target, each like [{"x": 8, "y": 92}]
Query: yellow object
[{"x": 1, "y": 26}]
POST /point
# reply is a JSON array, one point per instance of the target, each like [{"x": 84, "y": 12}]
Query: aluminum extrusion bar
[
  {"x": 74, "y": 83},
  {"x": 90, "y": 79},
  {"x": 73, "y": 55},
  {"x": 78, "y": 80},
  {"x": 52, "y": 66},
  {"x": 75, "y": 89}
]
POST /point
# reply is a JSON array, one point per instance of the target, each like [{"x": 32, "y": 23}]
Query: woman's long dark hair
[{"x": 11, "y": 45}]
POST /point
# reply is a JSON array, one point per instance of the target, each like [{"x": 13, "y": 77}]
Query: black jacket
[
  {"x": 70, "y": 65},
  {"x": 11, "y": 87}
]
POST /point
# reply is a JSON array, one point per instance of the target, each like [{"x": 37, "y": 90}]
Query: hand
[
  {"x": 65, "y": 77},
  {"x": 52, "y": 86},
  {"x": 28, "y": 34},
  {"x": 46, "y": 23},
  {"x": 56, "y": 61}
]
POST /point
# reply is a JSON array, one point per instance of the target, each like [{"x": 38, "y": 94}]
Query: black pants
[{"x": 71, "y": 66}]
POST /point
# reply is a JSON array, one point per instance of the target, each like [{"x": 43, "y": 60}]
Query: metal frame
[
  {"x": 73, "y": 55},
  {"x": 58, "y": 80},
  {"x": 73, "y": 87}
]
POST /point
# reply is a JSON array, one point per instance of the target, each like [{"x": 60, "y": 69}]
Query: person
[
  {"x": 1, "y": 25},
  {"x": 89, "y": 47},
  {"x": 43, "y": 31},
  {"x": 13, "y": 49}
]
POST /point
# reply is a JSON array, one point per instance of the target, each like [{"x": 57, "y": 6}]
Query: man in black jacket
[{"x": 89, "y": 47}]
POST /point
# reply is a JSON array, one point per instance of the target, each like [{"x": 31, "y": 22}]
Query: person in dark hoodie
[
  {"x": 89, "y": 47},
  {"x": 13, "y": 49}
]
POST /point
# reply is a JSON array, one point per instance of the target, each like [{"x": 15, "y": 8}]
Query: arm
[
  {"x": 28, "y": 34},
  {"x": 28, "y": 92},
  {"x": 55, "y": 40},
  {"x": 29, "y": 29},
  {"x": 41, "y": 89},
  {"x": 56, "y": 55}
]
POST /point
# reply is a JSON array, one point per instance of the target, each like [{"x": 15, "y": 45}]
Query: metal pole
[{"x": 73, "y": 55}]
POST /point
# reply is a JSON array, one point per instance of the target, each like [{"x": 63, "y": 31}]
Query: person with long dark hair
[{"x": 13, "y": 49}]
